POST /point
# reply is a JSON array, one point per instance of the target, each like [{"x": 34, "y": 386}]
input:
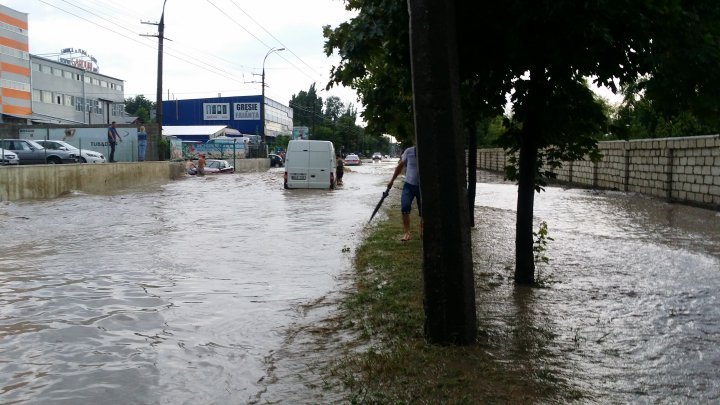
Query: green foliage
[
  {"x": 334, "y": 121},
  {"x": 282, "y": 141},
  {"x": 140, "y": 107},
  {"x": 307, "y": 107},
  {"x": 143, "y": 115},
  {"x": 541, "y": 239},
  {"x": 375, "y": 61},
  {"x": 164, "y": 148}
]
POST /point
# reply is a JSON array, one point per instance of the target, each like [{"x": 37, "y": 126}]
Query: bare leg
[{"x": 406, "y": 227}]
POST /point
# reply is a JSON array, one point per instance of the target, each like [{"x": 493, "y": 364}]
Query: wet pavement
[{"x": 194, "y": 292}]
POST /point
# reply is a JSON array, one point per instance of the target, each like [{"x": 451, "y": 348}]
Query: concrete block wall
[
  {"x": 51, "y": 181},
  {"x": 683, "y": 169}
]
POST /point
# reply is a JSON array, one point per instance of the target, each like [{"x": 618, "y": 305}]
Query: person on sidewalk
[
  {"x": 411, "y": 188},
  {"x": 113, "y": 139}
]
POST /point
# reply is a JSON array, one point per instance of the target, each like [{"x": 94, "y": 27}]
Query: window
[
  {"x": 95, "y": 81},
  {"x": 87, "y": 79},
  {"x": 79, "y": 102},
  {"x": 67, "y": 75},
  {"x": 57, "y": 98},
  {"x": 103, "y": 83},
  {"x": 68, "y": 100},
  {"x": 57, "y": 72},
  {"x": 47, "y": 97},
  {"x": 36, "y": 67},
  {"x": 118, "y": 110},
  {"x": 46, "y": 69},
  {"x": 36, "y": 95}
]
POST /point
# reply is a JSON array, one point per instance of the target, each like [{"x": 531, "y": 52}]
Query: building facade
[
  {"x": 15, "y": 81},
  {"x": 239, "y": 112},
  {"x": 66, "y": 94},
  {"x": 67, "y": 89}
]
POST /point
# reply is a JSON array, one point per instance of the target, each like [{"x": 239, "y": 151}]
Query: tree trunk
[
  {"x": 527, "y": 166},
  {"x": 472, "y": 169},
  {"x": 447, "y": 257}
]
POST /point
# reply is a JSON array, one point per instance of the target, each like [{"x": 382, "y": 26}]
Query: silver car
[
  {"x": 31, "y": 152},
  {"x": 86, "y": 155},
  {"x": 8, "y": 158}
]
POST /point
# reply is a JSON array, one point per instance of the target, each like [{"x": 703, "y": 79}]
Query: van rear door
[
  {"x": 296, "y": 164},
  {"x": 321, "y": 165}
]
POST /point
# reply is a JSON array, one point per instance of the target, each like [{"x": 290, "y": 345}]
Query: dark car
[
  {"x": 32, "y": 153},
  {"x": 275, "y": 160}
]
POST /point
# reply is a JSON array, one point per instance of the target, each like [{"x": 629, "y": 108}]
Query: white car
[
  {"x": 8, "y": 157},
  {"x": 86, "y": 155}
]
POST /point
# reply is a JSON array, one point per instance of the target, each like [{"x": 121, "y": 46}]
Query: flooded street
[
  {"x": 186, "y": 293},
  {"x": 178, "y": 294},
  {"x": 631, "y": 308}
]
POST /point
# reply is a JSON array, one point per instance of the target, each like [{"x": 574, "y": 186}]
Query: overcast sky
[{"x": 214, "y": 47}]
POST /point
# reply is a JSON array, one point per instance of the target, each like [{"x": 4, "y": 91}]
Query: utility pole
[{"x": 158, "y": 99}]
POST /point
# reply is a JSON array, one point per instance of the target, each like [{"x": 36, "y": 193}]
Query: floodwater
[
  {"x": 180, "y": 294},
  {"x": 194, "y": 292},
  {"x": 630, "y": 311}
]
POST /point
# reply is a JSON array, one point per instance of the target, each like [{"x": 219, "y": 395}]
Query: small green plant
[
  {"x": 541, "y": 239},
  {"x": 540, "y": 244}
]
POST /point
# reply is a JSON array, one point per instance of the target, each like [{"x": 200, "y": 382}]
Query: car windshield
[{"x": 35, "y": 144}]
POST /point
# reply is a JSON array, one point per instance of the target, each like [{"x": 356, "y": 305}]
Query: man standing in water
[
  {"x": 411, "y": 188},
  {"x": 113, "y": 139}
]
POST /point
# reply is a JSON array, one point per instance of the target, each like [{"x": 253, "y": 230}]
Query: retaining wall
[
  {"x": 50, "y": 181},
  {"x": 680, "y": 169}
]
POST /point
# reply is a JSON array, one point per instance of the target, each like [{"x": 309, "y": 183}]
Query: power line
[
  {"x": 258, "y": 39},
  {"x": 273, "y": 36}
]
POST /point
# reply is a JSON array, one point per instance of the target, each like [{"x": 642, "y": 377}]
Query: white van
[{"x": 310, "y": 164}]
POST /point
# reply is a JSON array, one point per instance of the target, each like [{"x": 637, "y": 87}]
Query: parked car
[
  {"x": 215, "y": 166},
  {"x": 377, "y": 156},
  {"x": 8, "y": 158},
  {"x": 86, "y": 155},
  {"x": 32, "y": 153},
  {"x": 352, "y": 160},
  {"x": 276, "y": 160}
]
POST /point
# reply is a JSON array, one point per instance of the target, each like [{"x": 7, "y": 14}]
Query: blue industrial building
[{"x": 239, "y": 112}]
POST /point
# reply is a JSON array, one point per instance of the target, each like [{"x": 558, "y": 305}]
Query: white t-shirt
[{"x": 409, "y": 157}]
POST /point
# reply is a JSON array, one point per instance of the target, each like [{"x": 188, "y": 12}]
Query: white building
[{"x": 65, "y": 94}]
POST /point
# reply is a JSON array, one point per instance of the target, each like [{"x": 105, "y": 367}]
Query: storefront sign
[
  {"x": 247, "y": 111},
  {"x": 216, "y": 111}
]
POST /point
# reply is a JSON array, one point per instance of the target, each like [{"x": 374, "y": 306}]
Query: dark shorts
[{"x": 409, "y": 192}]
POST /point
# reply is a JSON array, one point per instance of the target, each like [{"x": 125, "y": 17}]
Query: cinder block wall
[{"x": 681, "y": 169}]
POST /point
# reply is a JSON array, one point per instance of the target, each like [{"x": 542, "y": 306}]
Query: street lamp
[{"x": 262, "y": 102}]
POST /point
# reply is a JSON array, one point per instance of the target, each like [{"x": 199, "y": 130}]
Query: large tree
[
  {"x": 541, "y": 52},
  {"x": 140, "y": 107},
  {"x": 307, "y": 107}
]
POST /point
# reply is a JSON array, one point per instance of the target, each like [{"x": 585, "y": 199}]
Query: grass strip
[{"x": 387, "y": 359}]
